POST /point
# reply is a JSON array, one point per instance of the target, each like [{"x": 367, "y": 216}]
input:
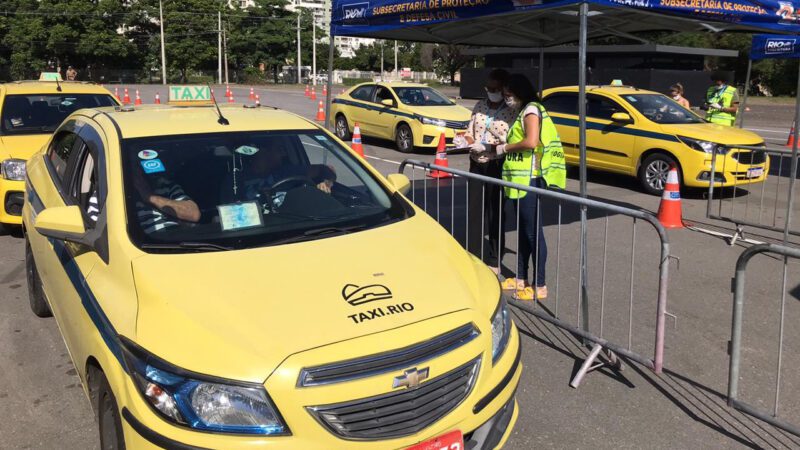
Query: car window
[
  {"x": 383, "y": 93},
  {"x": 563, "y": 102},
  {"x": 422, "y": 96},
  {"x": 86, "y": 187},
  {"x": 363, "y": 93},
  {"x": 599, "y": 107},
  {"x": 59, "y": 152},
  {"x": 32, "y": 114},
  {"x": 251, "y": 189},
  {"x": 661, "y": 109}
]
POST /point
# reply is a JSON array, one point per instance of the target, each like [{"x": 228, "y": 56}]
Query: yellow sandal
[{"x": 510, "y": 284}]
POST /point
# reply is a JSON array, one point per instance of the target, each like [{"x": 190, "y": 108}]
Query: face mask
[
  {"x": 494, "y": 97},
  {"x": 676, "y": 97},
  {"x": 511, "y": 102}
]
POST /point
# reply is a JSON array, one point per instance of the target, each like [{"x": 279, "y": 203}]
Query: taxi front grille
[
  {"x": 456, "y": 124},
  {"x": 750, "y": 157},
  {"x": 386, "y": 362},
  {"x": 400, "y": 413}
]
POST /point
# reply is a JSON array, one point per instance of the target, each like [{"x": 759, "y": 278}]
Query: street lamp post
[{"x": 163, "y": 53}]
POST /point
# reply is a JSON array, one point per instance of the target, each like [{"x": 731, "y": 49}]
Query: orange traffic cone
[
  {"x": 126, "y": 98},
  {"x": 228, "y": 92},
  {"x": 321, "y": 112},
  {"x": 325, "y": 89},
  {"x": 313, "y": 93},
  {"x": 790, "y": 141},
  {"x": 252, "y": 94},
  {"x": 138, "y": 99},
  {"x": 308, "y": 92},
  {"x": 258, "y": 100},
  {"x": 356, "y": 143},
  {"x": 230, "y": 98},
  {"x": 116, "y": 93},
  {"x": 441, "y": 159},
  {"x": 158, "y": 99},
  {"x": 669, "y": 211}
]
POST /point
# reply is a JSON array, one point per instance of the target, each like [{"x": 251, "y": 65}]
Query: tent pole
[
  {"x": 793, "y": 172},
  {"x": 541, "y": 70},
  {"x": 331, "y": 48},
  {"x": 584, "y": 295},
  {"x": 743, "y": 105}
]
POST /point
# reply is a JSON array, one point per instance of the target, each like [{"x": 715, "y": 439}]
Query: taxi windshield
[
  {"x": 661, "y": 109},
  {"x": 421, "y": 96},
  {"x": 43, "y": 113},
  {"x": 223, "y": 191}
]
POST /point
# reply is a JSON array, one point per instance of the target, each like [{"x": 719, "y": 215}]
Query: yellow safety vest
[
  {"x": 725, "y": 98},
  {"x": 518, "y": 166}
]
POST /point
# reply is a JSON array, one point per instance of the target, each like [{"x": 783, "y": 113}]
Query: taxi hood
[
  {"x": 238, "y": 314},
  {"x": 715, "y": 133},
  {"x": 450, "y": 112},
  {"x": 21, "y": 146}
]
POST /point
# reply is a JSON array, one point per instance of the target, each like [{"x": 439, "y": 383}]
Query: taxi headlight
[
  {"x": 13, "y": 169},
  {"x": 704, "y": 146},
  {"x": 203, "y": 404},
  {"x": 501, "y": 327},
  {"x": 431, "y": 121}
]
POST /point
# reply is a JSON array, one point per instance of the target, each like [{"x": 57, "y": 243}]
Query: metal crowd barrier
[
  {"x": 766, "y": 205},
  {"x": 615, "y": 259},
  {"x": 736, "y": 336}
]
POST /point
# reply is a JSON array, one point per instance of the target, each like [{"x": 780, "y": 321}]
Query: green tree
[
  {"x": 448, "y": 59},
  {"x": 262, "y": 34}
]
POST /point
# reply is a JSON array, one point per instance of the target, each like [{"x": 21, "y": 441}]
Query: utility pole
[
  {"x": 299, "y": 75},
  {"x": 163, "y": 53},
  {"x": 395, "y": 60},
  {"x": 314, "y": 49},
  {"x": 225, "y": 53},
  {"x": 381, "y": 59},
  {"x": 219, "y": 47}
]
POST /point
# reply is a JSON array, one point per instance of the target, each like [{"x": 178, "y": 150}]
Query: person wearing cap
[{"x": 722, "y": 101}]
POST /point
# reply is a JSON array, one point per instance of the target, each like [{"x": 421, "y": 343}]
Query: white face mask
[
  {"x": 676, "y": 97},
  {"x": 511, "y": 102},
  {"x": 494, "y": 97}
]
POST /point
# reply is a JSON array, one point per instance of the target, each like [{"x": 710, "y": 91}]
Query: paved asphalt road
[{"x": 44, "y": 407}]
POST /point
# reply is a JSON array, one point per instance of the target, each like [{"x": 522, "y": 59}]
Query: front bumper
[
  {"x": 428, "y": 135},
  {"x": 486, "y": 417},
  {"x": 12, "y": 197},
  {"x": 736, "y": 168}
]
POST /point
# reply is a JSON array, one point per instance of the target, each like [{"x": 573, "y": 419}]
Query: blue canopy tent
[{"x": 541, "y": 23}]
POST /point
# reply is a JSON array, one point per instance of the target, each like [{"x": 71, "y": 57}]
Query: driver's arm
[
  {"x": 323, "y": 175},
  {"x": 185, "y": 209}
]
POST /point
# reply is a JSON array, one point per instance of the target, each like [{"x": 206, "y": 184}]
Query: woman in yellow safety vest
[
  {"x": 722, "y": 101},
  {"x": 533, "y": 157}
]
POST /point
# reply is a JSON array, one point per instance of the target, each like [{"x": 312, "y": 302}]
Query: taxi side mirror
[
  {"x": 400, "y": 182},
  {"x": 61, "y": 222},
  {"x": 387, "y": 102},
  {"x": 621, "y": 117}
]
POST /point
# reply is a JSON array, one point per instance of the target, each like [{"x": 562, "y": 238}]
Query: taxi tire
[
  {"x": 109, "y": 422},
  {"x": 660, "y": 159},
  {"x": 404, "y": 138},
  {"x": 36, "y": 296},
  {"x": 342, "y": 128}
]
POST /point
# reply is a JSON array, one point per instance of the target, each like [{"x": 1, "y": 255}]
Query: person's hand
[
  {"x": 325, "y": 186},
  {"x": 500, "y": 150},
  {"x": 477, "y": 148},
  {"x": 715, "y": 106}
]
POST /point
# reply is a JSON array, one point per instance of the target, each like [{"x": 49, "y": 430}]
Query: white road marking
[
  {"x": 767, "y": 131},
  {"x": 384, "y": 160}
]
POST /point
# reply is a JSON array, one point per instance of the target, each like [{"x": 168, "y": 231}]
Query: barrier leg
[{"x": 590, "y": 365}]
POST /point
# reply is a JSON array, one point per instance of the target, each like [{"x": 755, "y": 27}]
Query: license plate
[
  {"x": 453, "y": 440},
  {"x": 755, "y": 172}
]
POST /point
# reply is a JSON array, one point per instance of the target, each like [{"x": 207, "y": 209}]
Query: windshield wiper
[
  {"x": 314, "y": 233},
  {"x": 201, "y": 246}
]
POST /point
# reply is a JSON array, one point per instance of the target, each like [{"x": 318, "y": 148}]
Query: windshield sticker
[
  {"x": 152, "y": 166},
  {"x": 321, "y": 138},
  {"x": 148, "y": 154},
  {"x": 236, "y": 216},
  {"x": 246, "y": 150},
  {"x": 631, "y": 99},
  {"x": 17, "y": 122}
]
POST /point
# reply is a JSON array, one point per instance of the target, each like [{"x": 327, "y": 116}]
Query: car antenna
[
  {"x": 58, "y": 85},
  {"x": 222, "y": 120}
]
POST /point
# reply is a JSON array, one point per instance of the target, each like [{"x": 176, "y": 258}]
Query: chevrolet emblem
[{"x": 410, "y": 378}]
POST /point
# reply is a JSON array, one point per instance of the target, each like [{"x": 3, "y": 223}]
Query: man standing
[
  {"x": 72, "y": 74},
  {"x": 722, "y": 101}
]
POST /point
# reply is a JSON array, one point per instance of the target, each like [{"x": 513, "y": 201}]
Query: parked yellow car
[
  {"x": 243, "y": 280},
  {"x": 29, "y": 113},
  {"x": 412, "y": 115},
  {"x": 642, "y": 133}
]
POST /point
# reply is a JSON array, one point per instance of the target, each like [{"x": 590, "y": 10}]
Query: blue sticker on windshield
[
  {"x": 321, "y": 137},
  {"x": 152, "y": 166}
]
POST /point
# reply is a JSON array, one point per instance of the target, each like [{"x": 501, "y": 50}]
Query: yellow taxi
[
  {"x": 29, "y": 113},
  {"x": 237, "y": 278},
  {"x": 642, "y": 133},
  {"x": 412, "y": 115}
]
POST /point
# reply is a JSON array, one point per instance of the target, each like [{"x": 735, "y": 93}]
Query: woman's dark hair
[
  {"x": 521, "y": 87},
  {"x": 499, "y": 75},
  {"x": 677, "y": 87}
]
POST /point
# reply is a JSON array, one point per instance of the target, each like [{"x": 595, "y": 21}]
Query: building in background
[{"x": 347, "y": 46}]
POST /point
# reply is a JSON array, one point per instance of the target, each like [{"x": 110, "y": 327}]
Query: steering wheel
[{"x": 302, "y": 180}]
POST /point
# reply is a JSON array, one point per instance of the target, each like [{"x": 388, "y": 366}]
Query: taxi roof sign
[
  {"x": 50, "y": 76},
  {"x": 616, "y": 83},
  {"x": 189, "y": 95}
]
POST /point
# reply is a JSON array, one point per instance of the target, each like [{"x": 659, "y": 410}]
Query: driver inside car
[{"x": 161, "y": 201}]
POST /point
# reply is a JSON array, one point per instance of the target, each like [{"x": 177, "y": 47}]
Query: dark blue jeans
[{"x": 531, "y": 235}]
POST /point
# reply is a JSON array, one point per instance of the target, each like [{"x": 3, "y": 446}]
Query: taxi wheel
[
  {"x": 404, "y": 138},
  {"x": 342, "y": 128},
  {"x": 653, "y": 172},
  {"x": 108, "y": 420},
  {"x": 36, "y": 296}
]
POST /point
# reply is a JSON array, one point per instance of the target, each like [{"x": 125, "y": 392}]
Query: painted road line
[
  {"x": 767, "y": 131},
  {"x": 384, "y": 160}
]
